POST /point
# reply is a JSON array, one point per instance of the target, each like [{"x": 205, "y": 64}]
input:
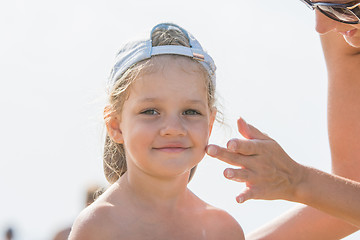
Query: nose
[
  {"x": 173, "y": 126},
  {"x": 323, "y": 23}
]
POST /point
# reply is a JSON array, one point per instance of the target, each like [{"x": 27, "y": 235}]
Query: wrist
[{"x": 300, "y": 183}]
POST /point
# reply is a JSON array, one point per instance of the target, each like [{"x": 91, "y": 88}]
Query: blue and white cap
[{"x": 135, "y": 52}]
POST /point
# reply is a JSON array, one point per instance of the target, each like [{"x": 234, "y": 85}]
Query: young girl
[{"x": 159, "y": 120}]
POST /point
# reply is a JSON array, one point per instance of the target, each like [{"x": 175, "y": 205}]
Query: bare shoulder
[
  {"x": 91, "y": 223},
  {"x": 223, "y": 225}
]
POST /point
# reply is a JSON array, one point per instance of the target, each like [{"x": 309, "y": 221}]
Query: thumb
[
  {"x": 244, "y": 196},
  {"x": 249, "y": 131}
]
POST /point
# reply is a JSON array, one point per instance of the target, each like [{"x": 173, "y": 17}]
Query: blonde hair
[{"x": 114, "y": 159}]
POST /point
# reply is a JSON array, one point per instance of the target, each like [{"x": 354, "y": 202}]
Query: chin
[{"x": 353, "y": 41}]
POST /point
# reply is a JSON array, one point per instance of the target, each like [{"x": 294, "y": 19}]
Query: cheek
[
  {"x": 136, "y": 139},
  {"x": 202, "y": 133},
  {"x": 323, "y": 24}
]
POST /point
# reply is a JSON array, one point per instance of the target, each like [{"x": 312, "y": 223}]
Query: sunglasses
[{"x": 346, "y": 13}]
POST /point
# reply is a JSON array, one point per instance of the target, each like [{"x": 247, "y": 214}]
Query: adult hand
[{"x": 269, "y": 173}]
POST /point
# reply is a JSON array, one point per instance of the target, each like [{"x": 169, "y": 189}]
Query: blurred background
[{"x": 55, "y": 57}]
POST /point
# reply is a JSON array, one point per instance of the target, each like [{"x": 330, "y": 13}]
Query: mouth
[{"x": 171, "y": 149}]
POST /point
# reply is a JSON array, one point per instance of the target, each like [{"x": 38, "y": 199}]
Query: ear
[
  {"x": 112, "y": 122},
  {"x": 212, "y": 119}
]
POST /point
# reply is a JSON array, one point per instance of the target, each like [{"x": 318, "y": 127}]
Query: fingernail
[
  {"x": 240, "y": 199},
  {"x": 211, "y": 150},
  {"x": 229, "y": 173},
  {"x": 232, "y": 145}
]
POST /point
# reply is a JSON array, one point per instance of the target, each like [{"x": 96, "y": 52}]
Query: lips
[{"x": 172, "y": 148}]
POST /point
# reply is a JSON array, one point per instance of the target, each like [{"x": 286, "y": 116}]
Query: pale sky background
[{"x": 55, "y": 57}]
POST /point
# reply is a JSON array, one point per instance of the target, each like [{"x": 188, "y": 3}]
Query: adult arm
[
  {"x": 343, "y": 64},
  {"x": 269, "y": 173}
]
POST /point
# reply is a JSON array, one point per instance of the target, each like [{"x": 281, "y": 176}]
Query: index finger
[
  {"x": 244, "y": 147},
  {"x": 223, "y": 154}
]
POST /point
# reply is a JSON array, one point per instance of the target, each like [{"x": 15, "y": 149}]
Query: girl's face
[
  {"x": 166, "y": 122},
  {"x": 350, "y": 32}
]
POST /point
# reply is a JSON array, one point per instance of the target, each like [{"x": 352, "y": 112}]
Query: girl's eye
[
  {"x": 191, "y": 112},
  {"x": 150, "y": 112}
]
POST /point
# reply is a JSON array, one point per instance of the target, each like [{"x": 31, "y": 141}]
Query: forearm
[
  {"x": 332, "y": 194},
  {"x": 303, "y": 223},
  {"x": 320, "y": 191}
]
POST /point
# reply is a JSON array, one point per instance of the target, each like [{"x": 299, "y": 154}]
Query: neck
[{"x": 165, "y": 193}]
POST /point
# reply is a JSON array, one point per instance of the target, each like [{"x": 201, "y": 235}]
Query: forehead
[
  {"x": 170, "y": 75},
  {"x": 164, "y": 62}
]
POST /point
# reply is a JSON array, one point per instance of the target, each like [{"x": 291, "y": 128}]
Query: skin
[
  {"x": 165, "y": 124},
  {"x": 270, "y": 173},
  {"x": 350, "y": 32}
]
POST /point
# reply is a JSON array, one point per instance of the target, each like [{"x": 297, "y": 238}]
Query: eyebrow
[{"x": 190, "y": 101}]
